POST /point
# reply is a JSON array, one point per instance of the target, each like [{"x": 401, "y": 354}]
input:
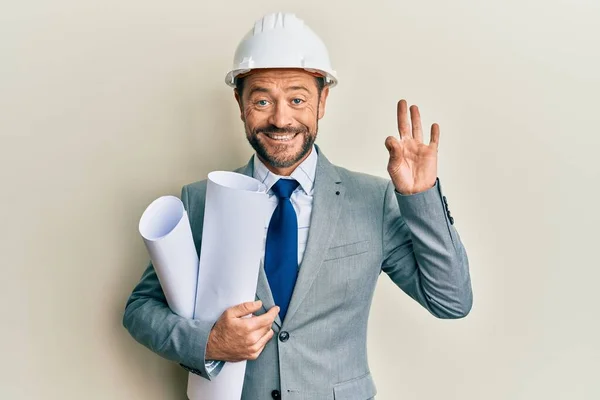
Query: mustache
[{"x": 272, "y": 129}]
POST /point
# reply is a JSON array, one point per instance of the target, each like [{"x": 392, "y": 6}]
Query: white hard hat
[{"x": 281, "y": 40}]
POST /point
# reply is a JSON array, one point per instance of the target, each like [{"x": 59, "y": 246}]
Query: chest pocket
[
  {"x": 360, "y": 388},
  {"x": 347, "y": 250}
]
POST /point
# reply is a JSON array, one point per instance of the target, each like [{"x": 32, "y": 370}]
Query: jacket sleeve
[
  {"x": 423, "y": 253},
  {"x": 151, "y": 322}
]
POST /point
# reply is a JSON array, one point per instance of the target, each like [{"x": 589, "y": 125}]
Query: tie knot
[{"x": 284, "y": 188}]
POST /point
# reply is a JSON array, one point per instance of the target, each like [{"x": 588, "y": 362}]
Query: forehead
[{"x": 280, "y": 79}]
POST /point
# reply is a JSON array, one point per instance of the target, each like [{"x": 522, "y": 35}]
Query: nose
[{"x": 281, "y": 115}]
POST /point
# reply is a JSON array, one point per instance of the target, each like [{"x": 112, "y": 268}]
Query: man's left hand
[{"x": 413, "y": 164}]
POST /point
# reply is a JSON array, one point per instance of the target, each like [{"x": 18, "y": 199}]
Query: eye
[
  {"x": 297, "y": 101},
  {"x": 262, "y": 103}
]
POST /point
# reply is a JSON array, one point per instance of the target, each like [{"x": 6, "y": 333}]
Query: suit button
[
  {"x": 445, "y": 200},
  {"x": 451, "y": 220},
  {"x": 284, "y": 336},
  {"x": 275, "y": 394}
]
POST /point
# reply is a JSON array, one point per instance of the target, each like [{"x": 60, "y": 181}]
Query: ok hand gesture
[{"x": 413, "y": 164}]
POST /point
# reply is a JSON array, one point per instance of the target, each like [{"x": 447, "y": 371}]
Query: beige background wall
[{"x": 106, "y": 105}]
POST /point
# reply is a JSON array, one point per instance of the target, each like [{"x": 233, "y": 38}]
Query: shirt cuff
[{"x": 213, "y": 367}]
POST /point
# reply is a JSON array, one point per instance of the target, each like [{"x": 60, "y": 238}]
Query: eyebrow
[
  {"x": 297, "y": 88},
  {"x": 259, "y": 89}
]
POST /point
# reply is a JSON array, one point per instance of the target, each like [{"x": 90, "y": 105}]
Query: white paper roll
[
  {"x": 232, "y": 247},
  {"x": 166, "y": 231}
]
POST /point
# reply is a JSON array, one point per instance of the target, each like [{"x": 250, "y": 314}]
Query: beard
[{"x": 281, "y": 156}]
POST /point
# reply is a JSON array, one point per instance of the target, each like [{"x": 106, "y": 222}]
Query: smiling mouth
[{"x": 285, "y": 137}]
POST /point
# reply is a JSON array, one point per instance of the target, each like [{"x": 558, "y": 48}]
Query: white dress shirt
[{"x": 301, "y": 198}]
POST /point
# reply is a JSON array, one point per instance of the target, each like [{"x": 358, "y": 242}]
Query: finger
[
  {"x": 262, "y": 331},
  {"x": 265, "y": 339},
  {"x": 394, "y": 146},
  {"x": 254, "y": 337},
  {"x": 259, "y": 333},
  {"x": 241, "y": 310},
  {"x": 260, "y": 345},
  {"x": 415, "y": 119},
  {"x": 264, "y": 320},
  {"x": 403, "y": 125},
  {"x": 435, "y": 135}
]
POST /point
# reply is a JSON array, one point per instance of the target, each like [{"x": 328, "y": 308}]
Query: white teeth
[{"x": 283, "y": 138}]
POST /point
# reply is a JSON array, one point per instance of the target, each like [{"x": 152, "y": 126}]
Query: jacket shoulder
[{"x": 195, "y": 187}]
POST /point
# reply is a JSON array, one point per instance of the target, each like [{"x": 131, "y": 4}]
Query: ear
[
  {"x": 238, "y": 98},
  {"x": 323, "y": 101}
]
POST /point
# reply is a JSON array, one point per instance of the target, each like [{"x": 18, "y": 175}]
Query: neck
[{"x": 285, "y": 171}]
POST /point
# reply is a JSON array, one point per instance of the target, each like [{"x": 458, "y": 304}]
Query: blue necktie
[{"x": 281, "y": 252}]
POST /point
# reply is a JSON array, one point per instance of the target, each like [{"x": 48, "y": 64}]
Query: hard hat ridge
[{"x": 281, "y": 40}]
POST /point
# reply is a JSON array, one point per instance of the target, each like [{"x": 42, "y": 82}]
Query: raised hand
[
  {"x": 238, "y": 335},
  {"x": 413, "y": 164}
]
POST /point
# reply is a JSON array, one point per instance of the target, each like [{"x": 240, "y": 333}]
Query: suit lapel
[
  {"x": 264, "y": 294},
  {"x": 263, "y": 291},
  {"x": 327, "y": 204}
]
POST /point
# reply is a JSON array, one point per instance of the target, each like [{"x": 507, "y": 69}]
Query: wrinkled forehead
[{"x": 280, "y": 78}]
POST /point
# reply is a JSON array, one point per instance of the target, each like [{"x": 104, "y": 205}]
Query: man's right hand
[{"x": 236, "y": 337}]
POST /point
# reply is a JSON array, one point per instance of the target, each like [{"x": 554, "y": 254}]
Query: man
[{"x": 331, "y": 234}]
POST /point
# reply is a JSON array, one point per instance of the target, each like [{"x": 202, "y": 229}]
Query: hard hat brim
[{"x": 233, "y": 75}]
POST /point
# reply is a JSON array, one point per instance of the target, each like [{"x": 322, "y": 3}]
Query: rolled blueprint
[
  {"x": 166, "y": 231},
  {"x": 232, "y": 246}
]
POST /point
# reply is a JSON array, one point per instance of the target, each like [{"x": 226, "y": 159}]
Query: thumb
[{"x": 241, "y": 310}]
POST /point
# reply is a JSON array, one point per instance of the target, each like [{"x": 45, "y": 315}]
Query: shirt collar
[{"x": 304, "y": 173}]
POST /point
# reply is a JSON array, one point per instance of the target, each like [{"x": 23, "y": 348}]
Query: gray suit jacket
[{"x": 360, "y": 226}]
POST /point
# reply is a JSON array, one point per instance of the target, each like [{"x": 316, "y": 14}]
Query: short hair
[{"x": 239, "y": 84}]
